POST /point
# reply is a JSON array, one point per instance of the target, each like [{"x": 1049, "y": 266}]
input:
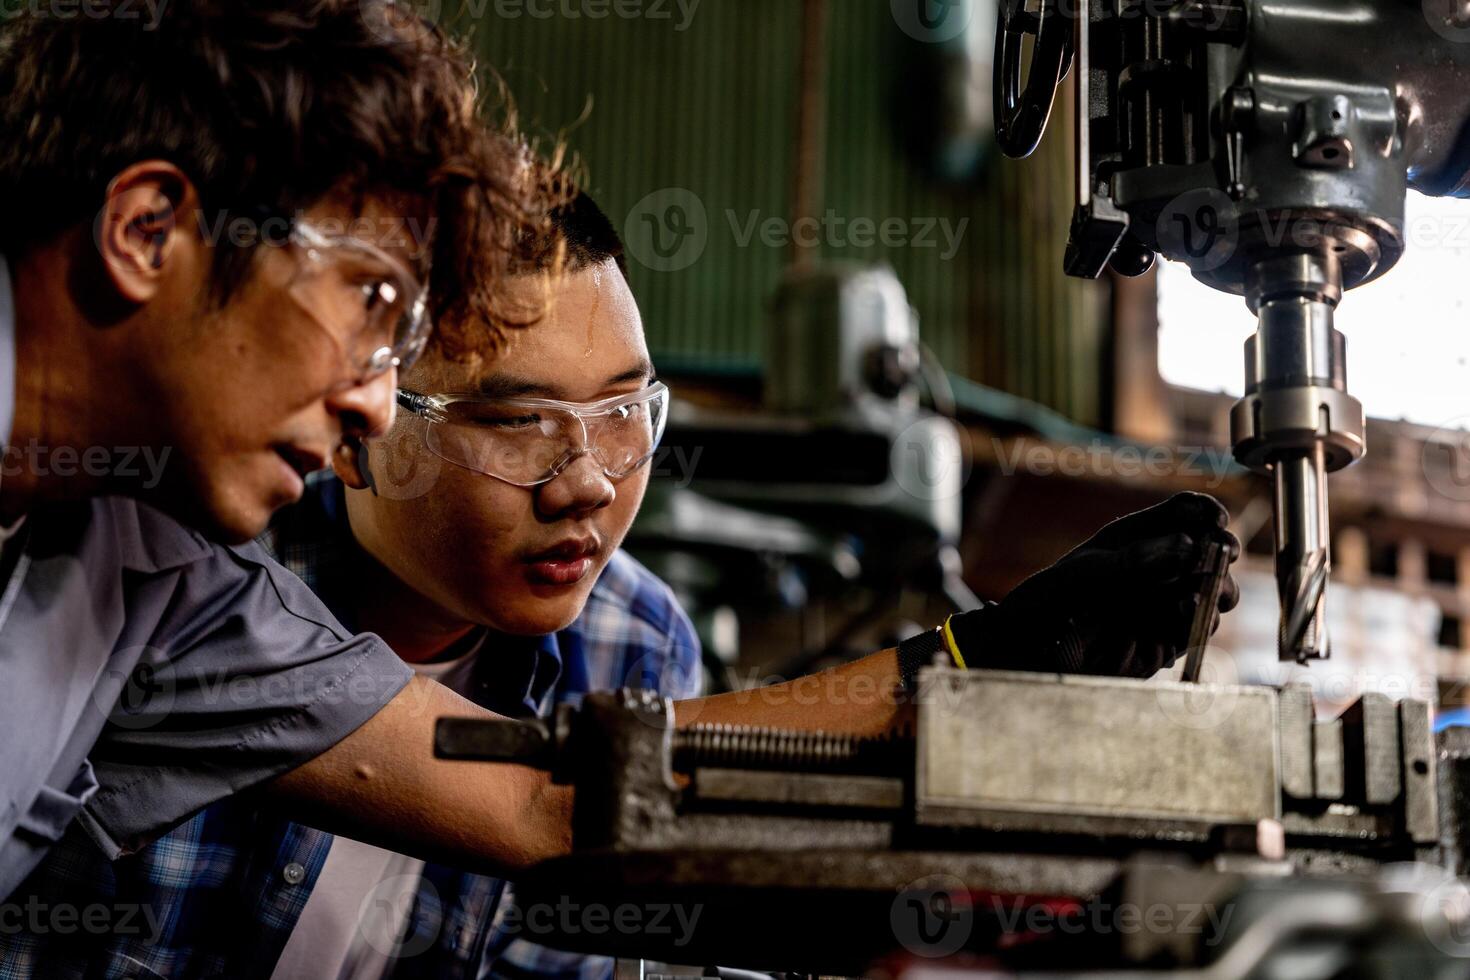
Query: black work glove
[{"x": 1120, "y": 604}]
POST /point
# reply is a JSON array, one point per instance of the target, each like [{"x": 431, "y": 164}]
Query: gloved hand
[{"x": 1120, "y": 604}]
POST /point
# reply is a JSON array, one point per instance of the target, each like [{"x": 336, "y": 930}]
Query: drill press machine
[{"x": 1269, "y": 145}]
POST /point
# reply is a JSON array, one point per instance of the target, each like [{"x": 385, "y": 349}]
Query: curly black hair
[{"x": 279, "y": 104}]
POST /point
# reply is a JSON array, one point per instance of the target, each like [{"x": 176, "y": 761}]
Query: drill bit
[{"x": 1302, "y": 558}]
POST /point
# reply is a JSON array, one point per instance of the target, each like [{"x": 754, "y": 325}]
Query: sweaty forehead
[{"x": 589, "y": 339}]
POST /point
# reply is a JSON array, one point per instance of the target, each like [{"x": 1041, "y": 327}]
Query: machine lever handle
[{"x": 528, "y": 743}]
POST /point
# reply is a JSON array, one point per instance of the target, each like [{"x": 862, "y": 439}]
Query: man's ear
[
  {"x": 141, "y": 226},
  {"x": 350, "y": 463}
]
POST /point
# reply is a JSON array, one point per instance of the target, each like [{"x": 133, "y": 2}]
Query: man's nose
[
  {"x": 579, "y": 489},
  {"x": 365, "y": 409}
]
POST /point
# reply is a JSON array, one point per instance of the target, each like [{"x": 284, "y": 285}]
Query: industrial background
[{"x": 703, "y": 124}]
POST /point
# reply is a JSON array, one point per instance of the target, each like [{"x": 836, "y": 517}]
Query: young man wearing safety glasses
[{"x": 212, "y": 260}]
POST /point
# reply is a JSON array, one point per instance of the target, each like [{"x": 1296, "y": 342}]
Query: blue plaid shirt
[{"x": 219, "y": 895}]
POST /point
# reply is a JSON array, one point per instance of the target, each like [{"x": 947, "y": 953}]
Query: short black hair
[{"x": 589, "y": 235}]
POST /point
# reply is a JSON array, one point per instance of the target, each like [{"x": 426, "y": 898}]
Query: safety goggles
[
  {"x": 530, "y": 441},
  {"x": 367, "y": 300}
]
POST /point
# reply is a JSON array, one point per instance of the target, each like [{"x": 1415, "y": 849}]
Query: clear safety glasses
[
  {"x": 529, "y": 441},
  {"x": 369, "y": 302}
]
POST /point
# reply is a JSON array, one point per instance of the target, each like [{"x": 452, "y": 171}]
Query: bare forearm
[
  {"x": 383, "y": 785},
  {"x": 860, "y": 698}
]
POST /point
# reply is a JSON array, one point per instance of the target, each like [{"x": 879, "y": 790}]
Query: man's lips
[
  {"x": 300, "y": 461},
  {"x": 299, "y": 458},
  {"x": 566, "y": 563}
]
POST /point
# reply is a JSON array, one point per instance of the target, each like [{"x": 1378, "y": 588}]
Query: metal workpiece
[
  {"x": 1011, "y": 752},
  {"x": 1016, "y": 750}
]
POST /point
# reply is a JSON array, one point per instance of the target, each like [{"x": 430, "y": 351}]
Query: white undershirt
[{"x": 358, "y": 910}]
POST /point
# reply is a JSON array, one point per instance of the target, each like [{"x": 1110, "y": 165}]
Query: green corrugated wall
[{"x": 712, "y": 109}]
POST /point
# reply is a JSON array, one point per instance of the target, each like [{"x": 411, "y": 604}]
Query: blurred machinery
[
  {"x": 948, "y": 107},
  {"x": 842, "y": 479}
]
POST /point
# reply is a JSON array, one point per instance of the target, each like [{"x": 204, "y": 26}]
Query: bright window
[{"x": 1408, "y": 334}]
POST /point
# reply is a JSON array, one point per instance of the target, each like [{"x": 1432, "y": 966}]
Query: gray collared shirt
[{"x": 146, "y": 673}]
